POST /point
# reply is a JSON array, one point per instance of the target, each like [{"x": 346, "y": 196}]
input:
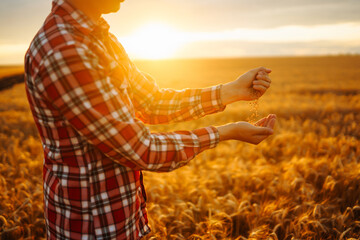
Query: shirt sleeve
[
  {"x": 83, "y": 93},
  {"x": 158, "y": 106}
]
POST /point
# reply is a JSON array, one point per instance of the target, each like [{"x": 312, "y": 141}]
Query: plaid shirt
[{"x": 90, "y": 104}]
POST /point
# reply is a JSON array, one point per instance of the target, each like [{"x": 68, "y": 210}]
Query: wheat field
[{"x": 301, "y": 183}]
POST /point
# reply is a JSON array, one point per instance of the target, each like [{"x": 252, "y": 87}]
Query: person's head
[
  {"x": 107, "y": 6},
  {"x": 95, "y": 8}
]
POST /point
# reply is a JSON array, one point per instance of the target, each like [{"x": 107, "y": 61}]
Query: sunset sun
[{"x": 153, "y": 41}]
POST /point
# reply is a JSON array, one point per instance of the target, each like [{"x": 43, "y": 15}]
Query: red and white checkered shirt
[{"x": 90, "y": 104}]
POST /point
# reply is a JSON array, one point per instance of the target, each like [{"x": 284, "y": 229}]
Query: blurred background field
[
  {"x": 10, "y": 70},
  {"x": 301, "y": 183}
]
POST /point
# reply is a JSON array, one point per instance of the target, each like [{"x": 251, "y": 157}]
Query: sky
[{"x": 205, "y": 28}]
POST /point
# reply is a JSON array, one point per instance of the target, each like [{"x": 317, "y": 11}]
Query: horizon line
[{"x": 224, "y": 58}]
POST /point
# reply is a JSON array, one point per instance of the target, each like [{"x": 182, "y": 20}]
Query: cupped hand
[
  {"x": 246, "y": 132},
  {"x": 268, "y": 121}
]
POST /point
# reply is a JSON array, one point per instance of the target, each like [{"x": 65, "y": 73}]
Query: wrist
[
  {"x": 226, "y": 93},
  {"x": 229, "y": 93},
  {"x": 225, "y": 132}
]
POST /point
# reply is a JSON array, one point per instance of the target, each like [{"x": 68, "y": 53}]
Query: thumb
[{"x": 264, "y": 69}]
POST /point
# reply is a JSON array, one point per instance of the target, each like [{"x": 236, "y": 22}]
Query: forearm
[
  {"x": 167, "y": 106},
  {"x": 225, "y": 132},
  {"x": 160, "y": 152},
  {"x": 180, "y": 146},
  {"x": 230, "y": 93}
]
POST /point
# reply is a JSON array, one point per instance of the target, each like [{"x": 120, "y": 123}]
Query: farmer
[{"x": 90, "y": 104}]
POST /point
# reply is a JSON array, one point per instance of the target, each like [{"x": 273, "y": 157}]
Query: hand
[
  {"x": 246, "y": 132},
  {"x": 249, "y": 86},
  {"x": 261, "y": 84}
]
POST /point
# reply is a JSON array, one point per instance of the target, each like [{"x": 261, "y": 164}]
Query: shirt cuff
[
  {"x": 211, "y": 100},
  {"x": 208, "y": 137}
]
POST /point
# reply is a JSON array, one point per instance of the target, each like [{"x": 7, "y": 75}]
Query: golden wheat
[{"x": 302, "y": 183}]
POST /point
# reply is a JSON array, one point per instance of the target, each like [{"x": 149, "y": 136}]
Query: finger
[
  {"x": 261, "y": 82},
  {"x": 273, "y": 116},
  {"x": 266, "y": 121},
  {"x": 264, "y": 77},
  {"x": 260, "y": 122},
  {"x": 267, "y": 70},
  {"x": 271, "y": 123},
  {"x": 260, "y": 88}
]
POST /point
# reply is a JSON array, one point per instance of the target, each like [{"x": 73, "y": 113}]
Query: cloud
[
  {"x": 212, "y": 27},
  {"x": 236, "y": 49},
  {"x": 215, "y": 15},
  {"x": 332, "y": 32},
  {"x": 21, "y": 19},
  {"x": 285, "y": 40}
]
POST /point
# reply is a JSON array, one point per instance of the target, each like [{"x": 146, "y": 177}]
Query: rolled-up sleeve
[
  {"x": 85, "y": 95},
  {"x": 159, "y": 106}
]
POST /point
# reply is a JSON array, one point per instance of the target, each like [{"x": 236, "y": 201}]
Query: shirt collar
[{"x": 79, "y": 20}]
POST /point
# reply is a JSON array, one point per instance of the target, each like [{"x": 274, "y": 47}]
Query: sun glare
[{"x": 153, "y": 41}]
